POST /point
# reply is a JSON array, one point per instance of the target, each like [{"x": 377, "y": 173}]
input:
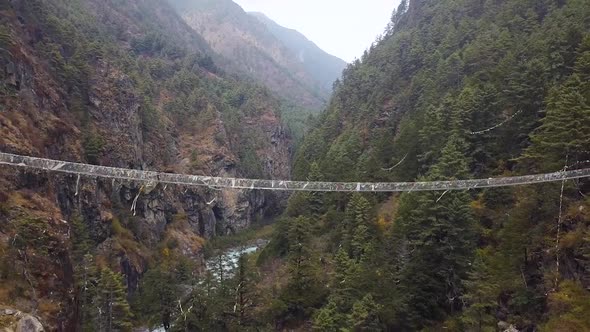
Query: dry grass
[
  {"x": 8, "y": 322},
  {"x": 48, "y": 307},
  {"x": 387, "y": 212},
  {"x": 37, "y": 206},
  {"x": 183, "y": 237}
]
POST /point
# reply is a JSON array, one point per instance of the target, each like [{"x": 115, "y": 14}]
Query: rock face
[
  {"x": 15, "y": 321},
  {"x": 104, "y": 118},
  {"x": 29, "y": 323},
  {"x": 506, "y": 327}
]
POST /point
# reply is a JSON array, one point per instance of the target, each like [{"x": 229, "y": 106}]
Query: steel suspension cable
[{"x": 59, "y": 166}]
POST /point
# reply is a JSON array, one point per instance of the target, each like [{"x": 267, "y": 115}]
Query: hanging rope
[
  {"x": 441, "y": 196},
  {"x": 134, "y": 204},
  {"x": 396, "y": 165},
  {"x": 260, "y": 184},
  {"x": 558, "y": 233},
  {"x": 496, "y": 126},
  {"x": 78, "y": 184}
]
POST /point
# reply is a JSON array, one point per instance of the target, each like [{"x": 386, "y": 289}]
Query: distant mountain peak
[
  {"x": 283, "y": 59},
  {"x": 324, "y": 67}
]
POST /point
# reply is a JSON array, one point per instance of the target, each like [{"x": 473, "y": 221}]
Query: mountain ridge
[
  {"x": 325, "y": 67},
  {"x": 123, "y": 84},
  {"x": 250, "y": 48}
]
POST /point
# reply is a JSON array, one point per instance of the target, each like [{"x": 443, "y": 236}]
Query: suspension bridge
[{"x": 152, "y": 177}]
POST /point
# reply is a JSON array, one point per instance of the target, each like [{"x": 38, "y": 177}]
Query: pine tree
[
  {"x": 563, "y": 133},
  {"x": 85, "y": 273},
  {"x": 5, "y": 41},
  {"x": 343, "y": 293},
  {"x": 438, "y": 230},
  {"x": 481, "y": 293},
  {"x": 194, "y": 312},
  {"x": 303, "y": 290},
  {"x": 328, "y": 318},
  {"x": 159, "y": 293},
  {"x": 112, "y": 310},
  {"x": 244, "y": 294},
  {"x": 431, "y": 136},
  {"x": 356, "y": 225},
  {"x": 361, "y": 242},
  {"x": 364, "y": 315},
  {"x": 81, "y": 243},
  {"x": 183, "y": 271},
  {"x": 86, "y": 277},
  {"x": 315, "y": 198}
]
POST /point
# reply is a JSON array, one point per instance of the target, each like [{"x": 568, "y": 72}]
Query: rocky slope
[
  {"x": 16, "y": 321},
  {"x": 325, "y": 68},
  {"x": 94, "y": 81},
  {"x": 253, "y": 48}
]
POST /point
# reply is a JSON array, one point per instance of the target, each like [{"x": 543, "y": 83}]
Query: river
[{"x": 230, "y": 257}]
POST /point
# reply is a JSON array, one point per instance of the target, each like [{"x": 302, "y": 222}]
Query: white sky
[{"x": 344, "y": 28}]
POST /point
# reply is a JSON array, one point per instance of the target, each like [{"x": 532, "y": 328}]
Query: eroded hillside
[{"x": 128, "y": 85}]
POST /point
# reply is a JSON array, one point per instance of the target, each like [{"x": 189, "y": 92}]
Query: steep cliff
[{"x": 128, "y": 85}]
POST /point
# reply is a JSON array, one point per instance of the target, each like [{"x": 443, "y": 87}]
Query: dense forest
[{"x": 452, "y": 89}]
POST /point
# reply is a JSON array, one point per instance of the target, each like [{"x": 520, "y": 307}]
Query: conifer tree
[
  {"x": 244, "y": 295},
  {"x": 159, "y": 293},
  {"x": 361, "y": 241},
  {"x": 328, "y": 318},
  {"x": 364, "y": 315},
  {"x": 439, "y": 233},
  {"x": 564, "y": 132},
  {"x": 85, "y": 273},
  {"x": 81, "y": 243},
  {"x": 342, "y": 293},
  {"x": 481, "y": 293},
  {"x": 315, "y": 198},
  {"x": 431, "y": 136},
  {"x": 112, "y": 310},
  {"x": 303, "y": 290},
  {"x": 194, "y": 313},
  {"x": 356, "y": 227},
  {"x": 86, "y": 277}
]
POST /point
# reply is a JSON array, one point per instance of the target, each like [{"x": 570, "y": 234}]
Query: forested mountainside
[
  {"x": 252, "y": 48},
  {"x": 324, "y": 67},
  {"x": 454, "y": 89},
  {"x": 125, "y": 84}
]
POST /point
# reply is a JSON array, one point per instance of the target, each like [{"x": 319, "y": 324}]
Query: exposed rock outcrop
[
  {"x": 102, "y": 119},
  {"x": 16, "y": 321}
]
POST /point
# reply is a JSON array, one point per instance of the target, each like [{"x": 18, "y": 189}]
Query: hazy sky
[{"x": 344, "y": 28}]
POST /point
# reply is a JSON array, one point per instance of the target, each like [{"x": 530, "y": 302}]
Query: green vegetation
[
  {"x": 110, "y": 299},
  {"x": 158, "y": 62},
  {"x": 417, "y": 106},
  {"x": 453, "y": 89}
]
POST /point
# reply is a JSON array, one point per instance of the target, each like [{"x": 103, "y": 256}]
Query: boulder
[
  {"x": 12, "y": 320},
  {"x": 506, "y": 327},
  {"x": 29, "y": 323}
]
